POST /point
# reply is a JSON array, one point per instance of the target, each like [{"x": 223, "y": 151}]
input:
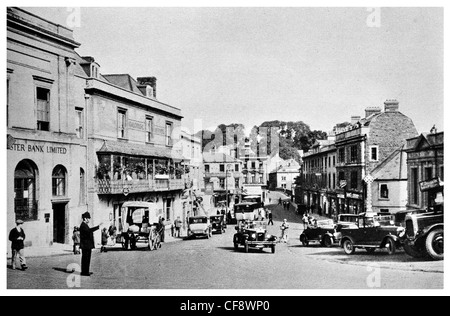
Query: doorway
[{"x": 59, "y": 223}]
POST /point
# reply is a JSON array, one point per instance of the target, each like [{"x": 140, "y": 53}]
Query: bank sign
[{"x": 13, "y": 145}]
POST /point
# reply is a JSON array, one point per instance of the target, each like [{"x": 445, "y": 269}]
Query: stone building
[
  {"x": 361, "y": 151},
  {"x": 425, "y": 167},
  {"x": 284, "y": 175},
  {"x": 47, "y": 170}
]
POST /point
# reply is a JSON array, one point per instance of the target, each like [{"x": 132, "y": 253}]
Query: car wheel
[
  {"x": 304, "y": 240},
  {"x": 370, "y": 250},
  {"x": 273, "y": 249},
  {"x": 414, "y": 251},
  {"x": 390, "y": 246},
  {"x": 349, "y": 248},
  {"x": 435, "y": 244},
  {"x": 326, "y": 242},
  {"x": 246, "y": 247}
]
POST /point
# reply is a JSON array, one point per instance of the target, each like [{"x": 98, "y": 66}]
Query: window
[
  {"x": 82, "y": 200},
  {"x": 222, "y": 183},
  {"x": 236, "y": 183},
  {"x": 222, "y": 168},
  {"x": 374, "y": 153},
  {"x": 168, "y": 134},
  {"x": 121, "y": 123},
  {"x": 341, "y": 175},
  {"x": 43, "y": 109},
  {"x": 79, "y": 122},
  {"x": 207, "y": 168},
  {"x": 148, "y": 129},
  {"x": 354, "y": 180},
  {"x": 384, "y": 211},
  {"x": 59, "y": 181},
  {"x": 442, "y": 172},
  {"x": 414, "y": 186},
  {"x": 384, "y": 191},
  {"x": 253, "y": 165},
  {"x": 334, "y": 161},
  {"x": 283, "y": 178},
  {"x": 341, "y": 155},
  {"x": 334, "y": 180},
  {"x": 25, "y": 203},
  {"x": 236, "y": 167},
  {"x": 168, "y": 209},
  {"x": 428, "y": 173},
  {"x": 329, "y": 180},
  {"x": 354, "y": 153}
]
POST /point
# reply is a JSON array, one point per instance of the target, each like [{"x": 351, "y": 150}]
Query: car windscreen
[
  {"x": 245, "y": 208},
  {"x": 198, "y": 220}
]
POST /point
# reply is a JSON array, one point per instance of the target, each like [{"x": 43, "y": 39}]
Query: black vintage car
[
  {"x": 218, "y": 223},
  {"x": 373, "y": 232},
  {"x": 253, "y": 234},
  {"x": 323, "y": 232}
]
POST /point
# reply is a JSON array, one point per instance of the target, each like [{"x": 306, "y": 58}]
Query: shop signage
[
  {"x": 45, "y": 149},
  {"x": 353, "y": 196},
  {"x": 140, "y": 126},
  {"x": 430, "y": 184},
  {"x": 341, "y": 196}
]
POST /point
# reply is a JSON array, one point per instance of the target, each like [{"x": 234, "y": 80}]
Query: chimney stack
[
  {"x": 354, "y": 119},
  {"x": 372, "y": 110},
  {"x": 147, "y": 81},
  {"x": 391, "y": 106}
]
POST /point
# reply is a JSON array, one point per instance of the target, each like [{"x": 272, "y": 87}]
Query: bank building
[{"x": 78, "y": 140}]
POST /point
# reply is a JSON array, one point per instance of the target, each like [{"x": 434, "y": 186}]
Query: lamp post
[{"x": 226, "y": 184}]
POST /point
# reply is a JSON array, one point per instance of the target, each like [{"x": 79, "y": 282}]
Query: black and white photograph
[{"x": 228, "y": 148}]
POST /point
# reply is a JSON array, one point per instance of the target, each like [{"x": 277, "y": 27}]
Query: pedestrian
[
  {"x": 284, "y": 227},
  {"x": 172, "y": 230},
  {"x": 76, "y": 240},
  {"x": 86, "y": 243},
  {"x": 269, "y": 215},
  {"x": 178, "y": 224},
  {"x": 162, "y": 228},
  {"x": 17, "y": 238},
  {"x": 104, "y": 239},
  {"x": 112, "y": 232},
  {"x": 305, "y": 221},
  {"x": 279, "y": 201}
]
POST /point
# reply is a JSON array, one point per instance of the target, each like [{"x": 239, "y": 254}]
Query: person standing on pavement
[
  {"x": 177, "y": 226},
  {"x": 162, "y": 228},
  {"x": 104, "y": 239},
  {"x": 86, "y": 243},
  {"x": 284, "y": 227},
  {"x": 305, "y": 220},
  {"x": 17, "y": 237},
  {"x": 269, "y": 215}
]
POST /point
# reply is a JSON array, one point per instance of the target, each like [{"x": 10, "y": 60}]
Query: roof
[
  {"x": 218, "y": 157},
  {"x": 139, "y": 150},
  {"x": 124, "y": 81},
  {"x": 393, "y": 167}
]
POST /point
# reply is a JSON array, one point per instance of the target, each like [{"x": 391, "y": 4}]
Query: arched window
[
  {"x": 59, "y": 181},
  {"x": 25, "y": 203}
]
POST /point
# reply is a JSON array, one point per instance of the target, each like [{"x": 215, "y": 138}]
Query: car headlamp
[{"x": 253, "y": 236}]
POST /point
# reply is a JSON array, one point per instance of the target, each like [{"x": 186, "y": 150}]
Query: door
[{"x": 59, "y": 223}]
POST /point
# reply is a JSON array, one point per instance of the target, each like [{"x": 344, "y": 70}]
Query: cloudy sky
[{"x": 249, "y": 65}]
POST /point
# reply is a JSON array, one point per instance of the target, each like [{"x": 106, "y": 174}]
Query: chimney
[
  {"x": 354, "y": 119},
  {"x": 372, "y": 110},
  {"x": 143, "y": 82},
  {"x": 390, "y": 106}
]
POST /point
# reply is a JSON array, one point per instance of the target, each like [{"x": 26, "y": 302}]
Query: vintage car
[
  {"x": 199, "y": 226},
  {"x": 246, "y": 211},
  {"x": 253, "y": 234},
  {"x": 373, "y": 232},
  {"x": 140, "y": 224},
  {"x": 218, "y": 223},
  {"x": 323, "y": 232},
  {"x": 344, "y": 221}
]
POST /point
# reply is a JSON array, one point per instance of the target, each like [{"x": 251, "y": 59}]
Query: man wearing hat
[
  {"x": 86, "y": 243},
  {"x": 17, "y": 237}
]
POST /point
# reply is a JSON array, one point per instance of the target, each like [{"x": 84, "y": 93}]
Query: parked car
[
  {"x": 324, "y": 232},
  {"x": 253, "y": 234},
  {"x": 373, "y": 232},
  {"x": 199, "y": 226},
  {"x": 345, "y": 221},
  {"x": 218, "y": 223}
]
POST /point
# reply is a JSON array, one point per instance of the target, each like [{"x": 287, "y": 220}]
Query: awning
[{"x": 124, "y": 148}]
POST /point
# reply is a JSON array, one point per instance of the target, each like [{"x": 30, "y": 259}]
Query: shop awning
[{"x": 113, "y": 147}]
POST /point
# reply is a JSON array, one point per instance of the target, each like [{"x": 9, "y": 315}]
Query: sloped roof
[
  {"x": 124, "y": 81},
  {"x": 114, "y": 147},
  {"x": 393, "y": 167}
]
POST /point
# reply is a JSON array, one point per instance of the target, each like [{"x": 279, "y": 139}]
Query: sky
[{"x": 253, "y": 64}]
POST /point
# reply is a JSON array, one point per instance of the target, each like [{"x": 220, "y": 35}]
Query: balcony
[
  {"x": 137, "y": 186},
  {"x": 222, "y": 174}
]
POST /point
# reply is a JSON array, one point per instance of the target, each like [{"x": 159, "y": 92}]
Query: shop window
[
  {"x": 25, "y": 202},
  {"x": 59, "y": 181}
]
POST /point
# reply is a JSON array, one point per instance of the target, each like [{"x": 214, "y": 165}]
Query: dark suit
[{"x": 86, "y": 245}]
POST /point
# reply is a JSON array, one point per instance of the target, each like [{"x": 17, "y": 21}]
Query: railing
[{"x": 136, "y": 186}]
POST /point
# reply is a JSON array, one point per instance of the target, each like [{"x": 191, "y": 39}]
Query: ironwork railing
[{"x": 135, "y": 186}]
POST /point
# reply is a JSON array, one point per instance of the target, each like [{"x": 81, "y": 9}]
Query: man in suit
[
  {"x": 17, "y": 237},
  {"x": 86, "y": 243}
]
